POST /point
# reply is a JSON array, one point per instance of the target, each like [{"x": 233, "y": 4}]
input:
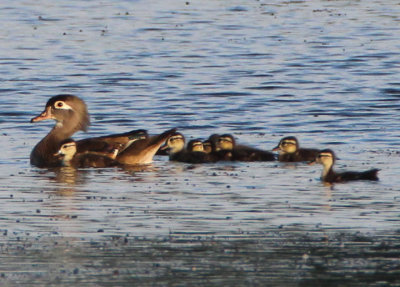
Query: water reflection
[{"x": 69, "y": 175}]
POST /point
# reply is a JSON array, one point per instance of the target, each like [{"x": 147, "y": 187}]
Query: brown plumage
[{"x": 71, "y": 115}]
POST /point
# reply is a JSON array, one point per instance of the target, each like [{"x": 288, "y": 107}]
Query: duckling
[
  {"x": 207, "y": 146},
  {"x": 227, "y": 142},
  {"x": 69, "y": 156},
  {"x": 327, "y": 158},
  {"x": 210, "y": 145},
  {"x": 177, "y": 152},
  {"x": 195, "y": 145},
  {"x": 290, "y": 151},
  {"x": 71, "y": 115}
]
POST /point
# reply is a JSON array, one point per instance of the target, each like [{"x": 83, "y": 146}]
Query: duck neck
[
  {"x": 43, "y": 153},
  {"x": 327, "y": 170}
]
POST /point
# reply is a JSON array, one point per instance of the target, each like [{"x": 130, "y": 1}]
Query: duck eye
[{"x": 59, "y": 104}]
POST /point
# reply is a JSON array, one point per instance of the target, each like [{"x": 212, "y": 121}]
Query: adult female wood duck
[
  {"x": 227, "y": 142},
  {"x": 69, "y": 157},
  {"x": 71, "y": 115},
  {"x": 290, "y": 151},
  {"x": 327, "y": 158}
]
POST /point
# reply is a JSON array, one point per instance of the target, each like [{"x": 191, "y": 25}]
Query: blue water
[{"x": 324, "y": 71}]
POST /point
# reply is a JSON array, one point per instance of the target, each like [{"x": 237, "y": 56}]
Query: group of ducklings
[
  {"x": 136, "y": 147},
  {"x": 220, "y": 148}
]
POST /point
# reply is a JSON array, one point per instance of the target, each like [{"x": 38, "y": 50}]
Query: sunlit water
[{"x": 324, "y": 71}]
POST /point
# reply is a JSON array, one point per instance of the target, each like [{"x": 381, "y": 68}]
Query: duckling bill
[{"x": 327, "y": 158}]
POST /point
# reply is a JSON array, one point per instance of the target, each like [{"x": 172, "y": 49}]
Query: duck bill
[
  {"x": 45, "y": 115},
  {"x": 277, "y": 148},
  {"x": 312, "y": 162},
  {"x": 58, "y": 154},
  {"x": 164, "y": 147}
]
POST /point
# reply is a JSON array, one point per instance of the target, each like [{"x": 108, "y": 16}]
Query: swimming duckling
[
  {"x": 207, "y": 146},
  {"x": 290, "y": 151},
  {"x": 327, "y": 158},
  {"x": 69, "y": 156},
  {"x": 210, "y": 144},
  {"x": 177, "y": 152},
  {"x": 226, "y": 142},
  {"x": 195, "y": 145}
]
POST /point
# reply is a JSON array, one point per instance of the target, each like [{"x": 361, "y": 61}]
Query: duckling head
[
  {"x": 327, "y": 158},
  {"x": 207, "y": 146},
  {"x": 175, "y": 143},
  {"x": 225, "y": 142},
  {"x": 287, "y": 145},
  {"x": 195, "y": 145},
  {"x": 210, "y": 144},
  {"x": 67, "y": 150}
]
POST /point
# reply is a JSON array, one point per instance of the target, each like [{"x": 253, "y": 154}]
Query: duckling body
[
  {"x": 177, "y": 151},
  {"x": 71, "y": 115},
  {"x": 69, "y": 157},
  {"x": 327, "y": 159},
  {"x": 290, "y": 151},
  {"x": 226, "y": 143}
]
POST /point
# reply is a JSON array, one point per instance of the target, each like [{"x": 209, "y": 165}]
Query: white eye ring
[{"x": 60, "y": 105}]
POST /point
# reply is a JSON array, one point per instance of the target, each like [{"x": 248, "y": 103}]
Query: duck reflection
[{"x": 68, "y": 175}]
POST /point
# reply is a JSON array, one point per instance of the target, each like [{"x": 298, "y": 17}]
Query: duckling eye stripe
[
  {"x": 325, "y": 155},
  {"x": 64, "y": 146},
  {"x": 289, "y": 142},
  {"x": 175, "y": 138}
]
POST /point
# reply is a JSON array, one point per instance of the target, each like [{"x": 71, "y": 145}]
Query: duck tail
[{"x": 371, "y": 174}]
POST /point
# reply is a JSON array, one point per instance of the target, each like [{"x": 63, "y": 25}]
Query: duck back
[
  {"x": 302, "y": 154},
  {"x": 371, "y": 174},
  {"x": 245, "y": 153}
]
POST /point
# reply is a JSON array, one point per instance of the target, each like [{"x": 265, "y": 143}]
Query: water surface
[{"x": 324, "y": 71}]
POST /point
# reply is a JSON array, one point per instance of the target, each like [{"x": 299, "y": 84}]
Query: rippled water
[{"x": 324, "y": 71}]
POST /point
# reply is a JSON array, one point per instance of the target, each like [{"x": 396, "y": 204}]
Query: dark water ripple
[{"x": 326, "y": 72}]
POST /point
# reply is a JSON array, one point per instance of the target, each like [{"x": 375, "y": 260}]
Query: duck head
[
  {"x": 287, "y": 145},
  {"x": 327, "y": 158},
  {"x": 225, "y": 142},
  {"x": 195, "y": 145},
  {"x": 175, "y": 143},
  {"x": 67, "y": 150},
  {"x": 65, "y": 110}
]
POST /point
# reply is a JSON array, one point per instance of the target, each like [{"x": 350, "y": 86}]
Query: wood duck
[
  {"x": 207, "y": 146},
  {"x": 290, "y": 151},
  {"x": 175, "y": 145},
  {"x": 71, "y": 115},
  {"x": 327, "y": 158},
  {"x": 69, "y": 157},
  {"x": 227, "y": 142},
  {"x": 195, "y": 145},
  {"x": 210, "y": 145}
]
